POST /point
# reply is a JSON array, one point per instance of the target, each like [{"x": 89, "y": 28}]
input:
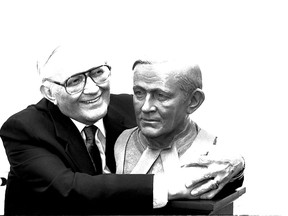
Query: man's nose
[
  {"x": 149, "y": 104},
  {"x": 90, "y": 86}
]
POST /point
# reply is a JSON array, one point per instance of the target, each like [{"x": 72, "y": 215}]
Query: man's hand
[
  {"x": 219, "y": 170},
  {"x": 204, "y": 177},
  {"x": 184, "y": 180}
]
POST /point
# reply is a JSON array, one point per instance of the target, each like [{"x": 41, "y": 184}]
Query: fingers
[
  {"x": 206, "y": 180},
  {"x": 212, "y": 182},
  {"x": 176, "y": 186},
  {"x": 196, "y": 176},
  {"x": 213, "y": 187},
  {"x": 217, "y": 188},
  {"x": 181, "y": 184},
  {"x": 204, "y": 188},
  {"x": 211, "y": 194},
  {"x": 196, "y": 164}
]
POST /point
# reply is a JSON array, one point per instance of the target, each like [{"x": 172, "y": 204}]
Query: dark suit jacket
[{"x": 51, "y": 172}]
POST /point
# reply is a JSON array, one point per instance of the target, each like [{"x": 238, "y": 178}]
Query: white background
[{"x": 241, "y": 47}]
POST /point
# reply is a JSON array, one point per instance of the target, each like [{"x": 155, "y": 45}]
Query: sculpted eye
[
  {"x": 139, "y": 94},
  {"x": 160, "y": 96}
]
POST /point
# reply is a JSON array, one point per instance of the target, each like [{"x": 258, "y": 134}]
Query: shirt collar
[{"x": 80, "y": 126}]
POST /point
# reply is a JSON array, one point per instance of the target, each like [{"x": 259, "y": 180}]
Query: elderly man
[
  {"x": 61, "y": 150},
  {"x": 166, "y": 139}
]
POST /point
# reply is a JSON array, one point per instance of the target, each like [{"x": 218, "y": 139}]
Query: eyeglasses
[{"x": 77, "y": 82}]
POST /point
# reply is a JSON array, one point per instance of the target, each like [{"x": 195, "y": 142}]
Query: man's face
[
  {"x": 159, "y": 103},
  {"x": 88, "y": 106}
]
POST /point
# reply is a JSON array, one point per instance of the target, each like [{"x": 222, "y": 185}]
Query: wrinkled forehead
[
  {"x": 63, "y": 62},
  {"x": 155, "y": 76},
  {"x": 167, "y": 68}
]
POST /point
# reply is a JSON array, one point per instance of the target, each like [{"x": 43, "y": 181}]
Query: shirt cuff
[{"x": 160, "y": 191}]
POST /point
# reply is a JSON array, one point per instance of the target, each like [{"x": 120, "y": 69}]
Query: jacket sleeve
[{"x": 43, "y": 168}]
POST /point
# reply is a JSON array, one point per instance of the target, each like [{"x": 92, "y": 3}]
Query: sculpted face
[{"x": 160, "y": 105}]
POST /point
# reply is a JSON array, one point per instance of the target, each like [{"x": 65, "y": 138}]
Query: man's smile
[{"x": 92, "y": 100}]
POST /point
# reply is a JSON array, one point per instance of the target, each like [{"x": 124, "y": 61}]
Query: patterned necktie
[{"x": 92, "y": 148}]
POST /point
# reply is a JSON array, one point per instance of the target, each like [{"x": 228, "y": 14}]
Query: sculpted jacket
[{"x": 51, "y": 172}]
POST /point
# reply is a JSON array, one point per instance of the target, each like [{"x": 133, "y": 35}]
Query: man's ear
[
  {"x": 196, "y": 98},
  {"x": 47, "y": 93}
]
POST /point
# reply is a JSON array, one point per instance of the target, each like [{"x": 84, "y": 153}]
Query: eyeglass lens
[{"x": 76, "y": 83}]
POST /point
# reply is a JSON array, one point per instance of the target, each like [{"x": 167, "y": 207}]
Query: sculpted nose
[{"x": 148, "y": 105}]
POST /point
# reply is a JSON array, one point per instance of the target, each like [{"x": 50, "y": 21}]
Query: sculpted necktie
[{"x": 92, "y": 148}]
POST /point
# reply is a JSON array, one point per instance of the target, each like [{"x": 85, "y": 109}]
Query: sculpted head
[{"x": 165, "y": 94}]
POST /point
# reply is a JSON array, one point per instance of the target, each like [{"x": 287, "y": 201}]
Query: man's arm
[{"x": 46, "y": 169}]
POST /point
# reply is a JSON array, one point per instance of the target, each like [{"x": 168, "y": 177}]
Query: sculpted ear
[
  {"x": 47, "y": 93},
  {"x": 196, "y": 98}
]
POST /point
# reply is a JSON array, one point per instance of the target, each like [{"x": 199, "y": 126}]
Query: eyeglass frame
[{"x": 86, "y": 74}]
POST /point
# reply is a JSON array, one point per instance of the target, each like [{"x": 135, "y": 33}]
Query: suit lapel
[{"x": 74, "y": 145}]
